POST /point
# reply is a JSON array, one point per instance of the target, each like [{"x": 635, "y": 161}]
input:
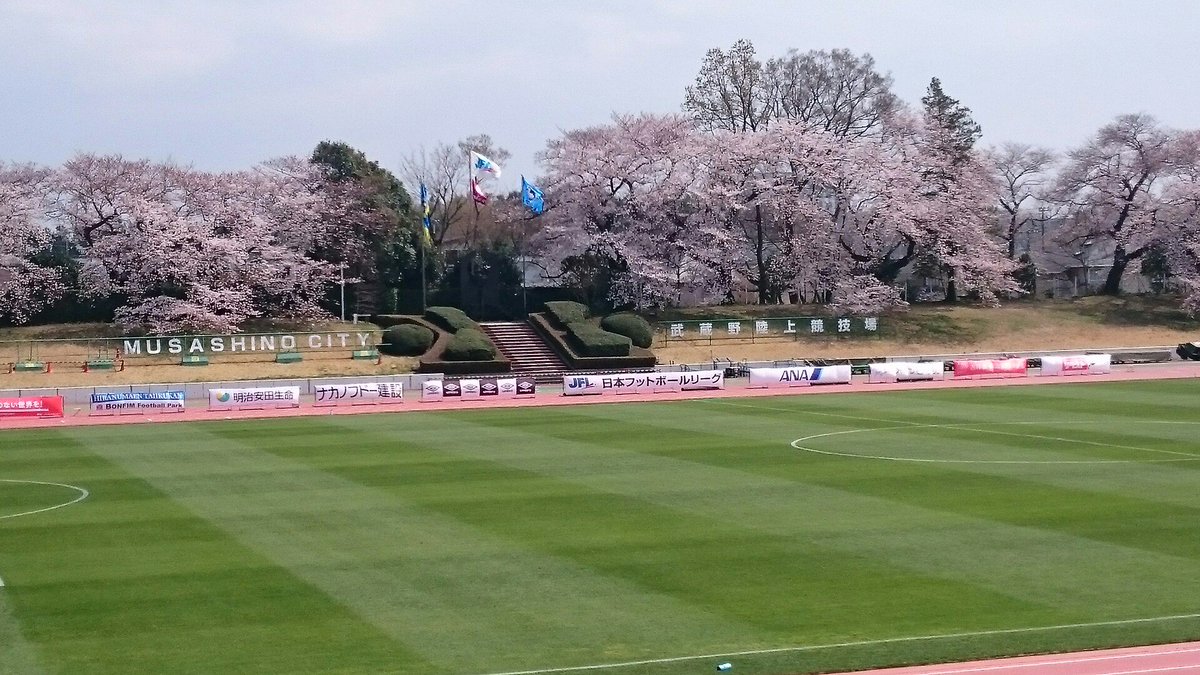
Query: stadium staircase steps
[{"x": 528, "y": 352}]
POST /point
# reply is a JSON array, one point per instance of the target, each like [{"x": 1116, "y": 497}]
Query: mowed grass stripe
[
  {"x": 1078, "y": 575},
  {"x": 128, "y": 581},
  {"x": 17, "y": 656},
  {"x": 780, "y": 584},
  {"x": 417, "y": 575}
]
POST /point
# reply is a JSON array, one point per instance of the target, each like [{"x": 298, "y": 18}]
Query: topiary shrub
[
  {"x": 594, "y": 341},
  {"x": 406, "y": 339},
  {"x": 452, "y": 319},
  {"x": 566, "y": 312},
  {"x": 631, "y": 326},
  {"x": 469, "y": 344}
]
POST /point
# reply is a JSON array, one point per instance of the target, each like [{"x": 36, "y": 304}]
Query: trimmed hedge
[
  {"x": 469, "y": 344},
  {"x": 566, "y": 312},
  {"x": 631, "y": 326},
  {"x": 595, "y": 341},
  {"x": 407, "y": 339},
  {"x": 452, "y": 319}
]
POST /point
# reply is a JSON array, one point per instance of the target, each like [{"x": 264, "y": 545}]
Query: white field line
[
  {"x": 1035, "y": 662},
  {"x": 967, "y": 426},
  {"x": 83, "y": 494},
  {"x": 855, "y": 643}
]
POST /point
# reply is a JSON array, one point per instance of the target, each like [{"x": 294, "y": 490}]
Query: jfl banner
[
  {"x": 799, "y": 376},
  {"x": 358, "y": 393},
  {"x": 264, "y": 397},
  {"x": 643, "y": 383}
]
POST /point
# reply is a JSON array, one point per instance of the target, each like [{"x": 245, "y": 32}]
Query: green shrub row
[
  {"x": 452, "y": 319},
  {"x": 631, "y": 326},
  {"x": 469, "y": 344},
  {"x": 566, "y": 312},
  {"x": 592, "y": 340},
  {"x": 406, "y": 339}
]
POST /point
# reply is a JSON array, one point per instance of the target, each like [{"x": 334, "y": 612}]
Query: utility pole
[{"x": 342, "y": 283}]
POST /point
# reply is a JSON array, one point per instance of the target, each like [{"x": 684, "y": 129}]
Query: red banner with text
[
  {"x": 993, "y": 367},
  {"x": 31, "y": 406}
]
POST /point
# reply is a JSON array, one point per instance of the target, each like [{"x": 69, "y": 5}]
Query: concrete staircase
[{"x": 525, "y": 348}]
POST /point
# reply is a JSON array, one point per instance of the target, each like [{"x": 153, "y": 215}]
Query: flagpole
[{"x": 424, "y": 245}]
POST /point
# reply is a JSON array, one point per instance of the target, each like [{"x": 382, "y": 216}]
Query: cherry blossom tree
[
  {"x": 196, "y": 251},
  {"x": 1024, "y": 177},
  {"x": 1112, "y": 187},
  {"x": 26, "y": 286},
  {"x": 631, "y": 193}
]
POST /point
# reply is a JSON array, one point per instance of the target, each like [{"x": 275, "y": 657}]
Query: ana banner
[
  {"x": 1082, "y": 364},
  {"x": 643, "y": 383},
  {"x": 358, "y": 393},
  {"x": 487, "y": 388},
  {"x": 264, "y": 397},
  {"x": 799, "y": 376},
  {"x": 31, "y": 406},
  {"x": 134, "y": 402},
  {"x": 1014, "y": 367},
  {"x": 906, "y": 371}
]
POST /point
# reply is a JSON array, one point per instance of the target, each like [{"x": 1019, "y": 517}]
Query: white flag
[{"x": 479, "y": 164}]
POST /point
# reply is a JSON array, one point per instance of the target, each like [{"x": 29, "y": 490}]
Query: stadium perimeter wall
[{"x": 199, "y": 390}]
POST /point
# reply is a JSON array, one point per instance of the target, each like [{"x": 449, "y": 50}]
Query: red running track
[
  {"x": 77, "y": 416},
  {"x": 1178, "y": 658}
]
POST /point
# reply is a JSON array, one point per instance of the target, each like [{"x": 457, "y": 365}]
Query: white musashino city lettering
[{"x": 235, "y": 344}]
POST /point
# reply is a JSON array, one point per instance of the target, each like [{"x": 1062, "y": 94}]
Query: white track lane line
[{"x": 856, "y": 643}]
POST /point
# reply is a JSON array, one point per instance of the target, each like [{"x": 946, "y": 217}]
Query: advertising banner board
[
  {"x": 799, "y": 376},
  {"x": 358, "y": 393},
  {"x": 1014, "y": 367},
  {"x": 259, "y": 397},
  {"x": 31, "y": 406},
  {"x": 1082, "y": 364},
  {"x": 485, "y": 388},
  {"x": 642, "y": 383},
  {"x": 137, "y": 402},
  {"x": 906, "y": 371}
]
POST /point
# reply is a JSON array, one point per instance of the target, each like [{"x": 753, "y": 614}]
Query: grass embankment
[
  {"x": 1088, "y": 323},
  {"x": 489, "y": 541},
  {"x": 76, "y": 343}
]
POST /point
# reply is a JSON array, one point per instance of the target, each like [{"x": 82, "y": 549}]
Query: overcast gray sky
[{"x": 222, "y": 84}]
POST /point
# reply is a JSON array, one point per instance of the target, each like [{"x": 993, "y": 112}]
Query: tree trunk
[
  {"x": 951, "y": 287},
  {"x": 764, "y": 295},
  {"x": 1112, "y": 283}
]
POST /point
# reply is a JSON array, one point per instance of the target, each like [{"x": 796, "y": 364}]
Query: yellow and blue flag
[{"x": 425, "y": 214}]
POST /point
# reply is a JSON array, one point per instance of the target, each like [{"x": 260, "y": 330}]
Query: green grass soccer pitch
[{"x": 782, "y": 534}]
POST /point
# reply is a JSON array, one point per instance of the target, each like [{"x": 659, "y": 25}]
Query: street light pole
[{"x": 342, "y": 283}]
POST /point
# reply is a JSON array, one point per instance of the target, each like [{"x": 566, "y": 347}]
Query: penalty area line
[{"x": 856, "y": 643}]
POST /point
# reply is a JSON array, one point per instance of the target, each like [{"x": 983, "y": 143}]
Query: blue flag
[{"x": 531, "y": 196}]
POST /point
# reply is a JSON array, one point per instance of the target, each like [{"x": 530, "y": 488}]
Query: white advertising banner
[
  {"x": 431, "y": 390},
  {"x": 907, "y": 371},
  {"x": 643, "y": 383},
  {"x": 135, "y": 402},
  {"x": 483, "y": 388},
  {"x": 799, "y": 376},
  {"x": 358, "y": 393},
  {"x": 259, "y": 397},
  {"x": 1081, "y": 364}
]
